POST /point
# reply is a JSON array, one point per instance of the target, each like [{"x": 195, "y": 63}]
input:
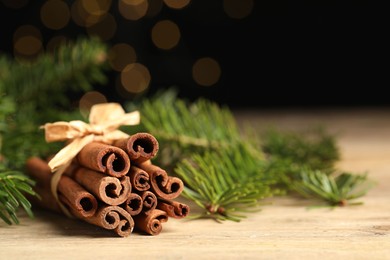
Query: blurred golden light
[
  {"x": 154, "y": 8},
  {"x": 55, "y": 14},
  {"x": 88, "y": 100},
  {"x": 238, "y": 9},
  {"x": 135, "y": 78},
  {"x": 133, "y": 9},
  {"x": 56, "y": 42},
  {"x": 96, "y": 8},
  {"x": 165, "y": 34},
  {"x": 27, "y": 41},
  {"x": 120, "y": 55},
  {"x": 177, "y": 4},
  {"x": 80, "y": 15},
  {"x": 206, "y": 71},
  {"x": 15, "y": 4},
  {"x": 105, "y": 28}
]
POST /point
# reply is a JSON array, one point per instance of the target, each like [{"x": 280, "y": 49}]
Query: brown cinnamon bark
[
  {"x": 113, "y": 218},
  {"x": 149, "y": 201},
  {"x": 173, "y": 209},
  {"x": 78, "y": 201},
  {"x": 140, "y": 147},
  {"x": 133, "y": 204},
  {"x": 164, "y": 186},
  {"x": 110, "y": 190},
  {"x": 151, "y": 223},
  {"x": 139, "y": 178},
  {"x": 104, "y": 158}
]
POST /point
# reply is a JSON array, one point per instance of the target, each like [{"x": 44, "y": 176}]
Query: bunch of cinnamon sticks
[{"x": 116, "y": 186}]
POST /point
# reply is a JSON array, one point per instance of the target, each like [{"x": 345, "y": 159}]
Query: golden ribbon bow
[{"x": 104, "y": 121}]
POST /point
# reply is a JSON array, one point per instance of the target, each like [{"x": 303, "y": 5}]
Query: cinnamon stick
[
  {"x": 110, "y": 190},
  {"x": 140, "y": 147},
  {"x": 133, "y": 204},
  {"x": 104, "y": 158},
  {"x": 149, "y": 201},
  {"x": 139, "y": 178},
  {"x": 173, "y": 209},
  {"x": 112, "y": 218},
  {"x": 80, "y": 202},
  {"x": 151, "y": 223},
  {"x": 164, "y": 186}
]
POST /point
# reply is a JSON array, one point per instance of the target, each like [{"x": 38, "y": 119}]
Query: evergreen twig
[
  {"x": 225, "y": 183},
  {"x": 13, "y": 186},
  {"x": 334, "y": 191}
]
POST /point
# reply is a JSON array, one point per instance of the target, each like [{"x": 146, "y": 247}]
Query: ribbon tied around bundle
[{"x": 104, "y": 121}]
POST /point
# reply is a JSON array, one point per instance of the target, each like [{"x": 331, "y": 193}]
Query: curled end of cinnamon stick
[
  {"x": 164, "y": 186},
  {"x": 113, "y": 218},
  {"x": 133, "y": 204},
  {"x": 139, "y": 178},
  {"x": 140, "y": 147},
  {"x": 174, "y": 209},
  {"x": 105, "y": 158},
  {"x": 151, "y": 223},
  {"x": 79, "y": 202},
  {"x": 110, "y": 190}
]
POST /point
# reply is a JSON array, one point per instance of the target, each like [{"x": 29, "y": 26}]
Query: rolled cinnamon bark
[
  {"x": 149, "y": 201},
  {"x": 110, "y": 190},
  {"x": 139, "y": 178},
  {"x": 133, "y": 204},
  {"x": 104, "y": 158},
  {"x": 140, "y": 147},
  {"x": 164, "y": 186},
  {"x": 79, "y": 202},
  {"x": 173, "y": 209},
  {"x": 151, "y": 223},
  {"x": 113, "y": 218}
]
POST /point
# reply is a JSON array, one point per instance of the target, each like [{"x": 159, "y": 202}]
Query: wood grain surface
[{"x": 284, "y": 229}]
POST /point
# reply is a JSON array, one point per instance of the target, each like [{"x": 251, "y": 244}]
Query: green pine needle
[
  {"x": 13, "y": 187},
  {"x": 341, "y": 190}
]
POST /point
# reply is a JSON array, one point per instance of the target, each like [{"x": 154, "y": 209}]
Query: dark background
[{"x": 295, "y": 54}]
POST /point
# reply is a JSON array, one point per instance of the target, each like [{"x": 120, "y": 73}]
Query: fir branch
[
  {"x": 334, "y": 191},
  {"x": 13, "y": 187},
  {"x": 225, "y": 183}
]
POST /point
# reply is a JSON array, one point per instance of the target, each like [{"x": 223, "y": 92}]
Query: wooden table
[{"x": 284, "y": 229}]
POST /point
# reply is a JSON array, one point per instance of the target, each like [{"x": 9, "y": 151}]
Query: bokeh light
[
  {"x": 97, "y": 7},
  {"x": 135, "y": 78},
  {"x": 55, "y": 14},
  {"x": 238, "y": 9},
  {"x": 88, "y": 100},
  {"x": 81, "y": 16},
  {"x": 120, "y": 55},
  {"x": 165, "y": 34},
  {"x": 206, "y": 71},
  {"x": 27, "y": 41},
  {"x": 133, "y": 9},
  {"x": 177, "y": 4}
]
